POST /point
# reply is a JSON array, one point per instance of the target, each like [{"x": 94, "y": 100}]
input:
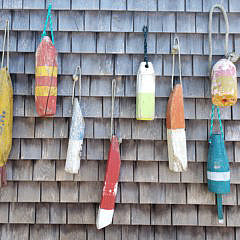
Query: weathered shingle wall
[{"x": 105, "y": 37}]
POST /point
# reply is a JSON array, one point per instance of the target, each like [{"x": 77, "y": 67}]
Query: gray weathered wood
[
  {"x": 167, "y": 176},
  {"x": 50, "y": 192},
  {"x": 72, "y": 232},
  {"x": 31, "y": 148},
  {"x": 122, "y": 22},
  {"x": 81, "y": 213},
  {"x": 97, "y": 21},
  {"x": 69, "y": 192},
  {"x": 140, "y": 214},
  {"x": 161, "y": 22},
  {"x": 161, "y": 215},
  {"x": 199, "y": 194},
  {"x": 176, "y": 193},
  {"x": 49, "y": 232},
  {"x": 90, "y": 191},
  {"x": 188, "y": 233},
  {"x": 57, "y": 213},
  {"x": 28, "y": 192},
  {"x": 184, "y": 215},
  {"x": 148, "y": 193},
  {"x": 22, "y": 213},
  {"x": 42, "y": 213},
  {"x": 22, "y": 170},
  {"x": 129, "y": 193},
  {"x": 146, "y": 172},
  {"x": 220, "y": 233},
  {"x": 44, "y": 170}
]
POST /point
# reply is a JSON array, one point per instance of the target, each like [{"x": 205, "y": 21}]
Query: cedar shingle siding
[{"x": 105, "y": 37}]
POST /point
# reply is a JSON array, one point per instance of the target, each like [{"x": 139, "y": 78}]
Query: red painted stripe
[
  {"x": 46, "y": 106},
  {"x": 111, "y": 176},
  {"x": 45, "y": 81}
]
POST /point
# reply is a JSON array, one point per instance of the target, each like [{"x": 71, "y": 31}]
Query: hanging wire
[
  {"x": 77, "y": 76},
  {"x": 175, "y": 50},
  {"x": 49, "y": 17},
  {"x": 145, "y": 32},
  {"x": 210, "y": 34},
  {"x": 220, "y": 122},
  {"x": 6, "y": 36},
  {"x": 113, "y": 101}
]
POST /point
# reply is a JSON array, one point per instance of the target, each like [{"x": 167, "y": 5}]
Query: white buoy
[
  {"x": 76, "y": 132},
  {"x": 145, "y": 92}
]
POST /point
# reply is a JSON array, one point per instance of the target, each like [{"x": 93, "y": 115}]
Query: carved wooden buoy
[
  {"x": 76, "y": 131},
  {"x": 6, "y": 112},
  {"x": 175, "y": 122},
  {"x": 106, "y": 208},
  {"x": 46, "y": 78}
]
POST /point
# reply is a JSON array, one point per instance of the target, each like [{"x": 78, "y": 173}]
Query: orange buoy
[{"x": 175, "y": 122}]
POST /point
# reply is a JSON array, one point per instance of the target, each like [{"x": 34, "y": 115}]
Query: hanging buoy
[
  {"x": 145, "y": 87},
  {"x": 6, "y": 111},
  {"x": 46, "y": 73},
  {"x": 218, "y": 172},
  {"x": 76, "y": 131},
  {"x": 106, "y": 208},
  {"x": 223, "y": 74},
  {"x": 175, "y": 122}
]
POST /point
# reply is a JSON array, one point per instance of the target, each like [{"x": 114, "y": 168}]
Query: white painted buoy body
[
  {"x": 104, "y": 217},
  {"x": 176, "y": 135},
  {"x": 177, "y": 149},
  {"x": 75, "y": 139},
  {"x": 145, "y": 92}
]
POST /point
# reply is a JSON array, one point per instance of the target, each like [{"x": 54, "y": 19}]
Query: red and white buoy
[{"x": 106, "y": 208}]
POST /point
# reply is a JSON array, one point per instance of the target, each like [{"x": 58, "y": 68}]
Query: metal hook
[{"x": 77, "y": 77}]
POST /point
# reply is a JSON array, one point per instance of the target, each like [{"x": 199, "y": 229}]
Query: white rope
[
  {"x": 6, "y": 35},
  {"x": 175, "y": 50},
  {"x": 210, "y": 33},
  {"x": 77, "y": 77},
  {"x": 113, "y": 100}
]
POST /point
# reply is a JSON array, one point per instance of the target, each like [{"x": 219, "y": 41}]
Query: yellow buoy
[{"x": 6, "y": 112}]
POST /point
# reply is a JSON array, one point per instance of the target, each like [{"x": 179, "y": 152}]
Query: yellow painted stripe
[
  {"x": 46, "y": 71},
  {"x": 44, "y": 90}
]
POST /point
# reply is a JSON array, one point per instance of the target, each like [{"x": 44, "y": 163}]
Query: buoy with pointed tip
[
  {"x": 107, "y": 204},
  {"x": 175, "y": 122},
  {"x": 77, "y": 129},
  {"x": 218, "y": 172}
]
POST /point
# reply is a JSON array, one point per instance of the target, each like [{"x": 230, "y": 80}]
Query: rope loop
[
  {"x": 145, "y": 32},
  {"x": 6, "y": 36},
  {"x": 77, "y": 76},
  {"x": 49, "y": 18},
  {"x": 175, "y": 50},
  {"x": 220, "y": 122},
  {"x": 220, "y": 7},
  {"x": 113, "y": 101}
]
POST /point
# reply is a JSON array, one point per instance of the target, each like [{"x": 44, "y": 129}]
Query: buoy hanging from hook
[
  {"x": 223, "y": 74},
  {"x": 77, "y": 129},
  {"x": 46, "y": 72},
  {"x": 145, "y": 87},
  {"x": 175, "y": 122}
]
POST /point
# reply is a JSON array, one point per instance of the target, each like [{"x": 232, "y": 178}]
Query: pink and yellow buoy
[{"x": 224, "y": 83}]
